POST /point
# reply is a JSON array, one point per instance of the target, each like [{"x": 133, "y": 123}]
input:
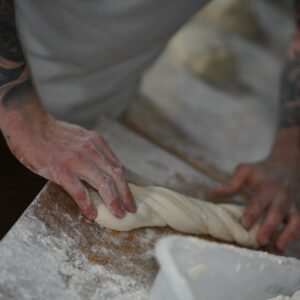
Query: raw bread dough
[
  {"x": 296, "y": 296},
  {"x": 235, "y": 16},
  {"x": 204, "y": 52},
  {"x": 158, "y": 206}
]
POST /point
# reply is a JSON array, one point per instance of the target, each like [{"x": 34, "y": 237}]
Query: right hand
[
  {"x": 274, "y": 183},
  {"x": 70, "y": 155}
]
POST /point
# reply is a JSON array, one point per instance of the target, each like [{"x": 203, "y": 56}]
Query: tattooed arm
[
  {"x": 15, "y": 82},
  {"x": 63, "y": 153},
  {"x": 275, "y": 181},
  {"x": 290, "y": 89}
]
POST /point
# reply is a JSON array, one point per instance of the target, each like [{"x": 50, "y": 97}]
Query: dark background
[{"x": 18, "y": 188}]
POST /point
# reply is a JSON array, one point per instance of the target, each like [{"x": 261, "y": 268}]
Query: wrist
[
  {"x": 22, "y": 117},
  {"x": 287, "y": 143}
]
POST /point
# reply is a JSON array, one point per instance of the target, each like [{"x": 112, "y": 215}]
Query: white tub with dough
[{"x": 191, "y": 268}]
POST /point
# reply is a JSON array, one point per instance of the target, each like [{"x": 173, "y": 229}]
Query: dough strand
[{"x": 158, "y": 206}]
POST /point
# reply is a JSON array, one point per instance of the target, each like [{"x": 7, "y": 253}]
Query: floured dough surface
[
  {"x": 158, "y": 206},
  {"x": 204, "y": 52}
]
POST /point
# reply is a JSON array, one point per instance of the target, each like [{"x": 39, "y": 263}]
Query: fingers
[
  {"x": 74, "y": 187},
  {"x": 272, "y": 194},
  {"x": 114, "y": 168},
  {"x": 111, "y": 184},
  {"x": 275, "y": 217},
  {"x": 291, "y": 231},
  {"x": 90, "y": 159},
  {"x": 244, "y": 174},
  {"x": 105, "y": 186},
  {"x": 117, "y": 176},
  {"x": 257, "y": 205},
  {"x": 107, "y": 191},
  {"x": 102, "y": 144},
  {"x": 94, "y": 166}
]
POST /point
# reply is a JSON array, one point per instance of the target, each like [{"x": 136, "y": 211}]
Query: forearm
[
  {"x": 61, "y": 152},
  {"x": 290, "y": 81},
  {"x": 17, "y": 96}
]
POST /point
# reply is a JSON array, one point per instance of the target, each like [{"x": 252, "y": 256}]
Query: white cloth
[{"x": 87, "y": 56}]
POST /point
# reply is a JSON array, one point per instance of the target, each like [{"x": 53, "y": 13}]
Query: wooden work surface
[{"x": 52, "y": 252}]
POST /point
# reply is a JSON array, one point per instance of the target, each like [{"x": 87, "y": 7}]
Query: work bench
[{"x": 52, "y": 252}]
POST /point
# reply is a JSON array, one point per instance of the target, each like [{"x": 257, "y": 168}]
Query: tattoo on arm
[
  {"x": 15, "y": 82},
  {"x": 290, "y": 93}
]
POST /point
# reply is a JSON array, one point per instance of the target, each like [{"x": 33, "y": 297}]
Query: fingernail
[
  {"x": 264, "y": 240},
  {"x": 116, "y": 208},
  {"x": 93, "y": 214},
  {"x": 121, "y": 213},
  {"x": 90, "y": 212}
]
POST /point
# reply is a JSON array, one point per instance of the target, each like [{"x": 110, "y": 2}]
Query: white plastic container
[{"x": 191, "y": 268}]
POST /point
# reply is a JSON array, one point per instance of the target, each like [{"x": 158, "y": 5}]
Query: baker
[{"x": 80, "y": 59}]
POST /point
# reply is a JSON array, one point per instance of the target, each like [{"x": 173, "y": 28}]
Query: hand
[
  {"x": 70, "y": 155},
  {"x": 275, "y": 185}
]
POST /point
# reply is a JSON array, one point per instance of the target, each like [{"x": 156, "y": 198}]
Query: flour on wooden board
[{"x": 58, "y": 257}]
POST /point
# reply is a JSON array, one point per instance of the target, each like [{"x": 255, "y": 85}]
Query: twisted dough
[{"x": 159, "y": 206}]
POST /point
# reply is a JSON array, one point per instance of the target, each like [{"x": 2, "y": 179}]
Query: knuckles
[
  {"x": 107, "y": 184},
  {"x": 65, "y": 164},
  {"x": 119, "y": 172},
  {"x": 87, "y": 147},
  {"x": 95, "y": 136},
  {"x": 60, "y": 171}
]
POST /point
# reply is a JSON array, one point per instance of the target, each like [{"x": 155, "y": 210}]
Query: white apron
[{"x": 87, "y": 56}]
